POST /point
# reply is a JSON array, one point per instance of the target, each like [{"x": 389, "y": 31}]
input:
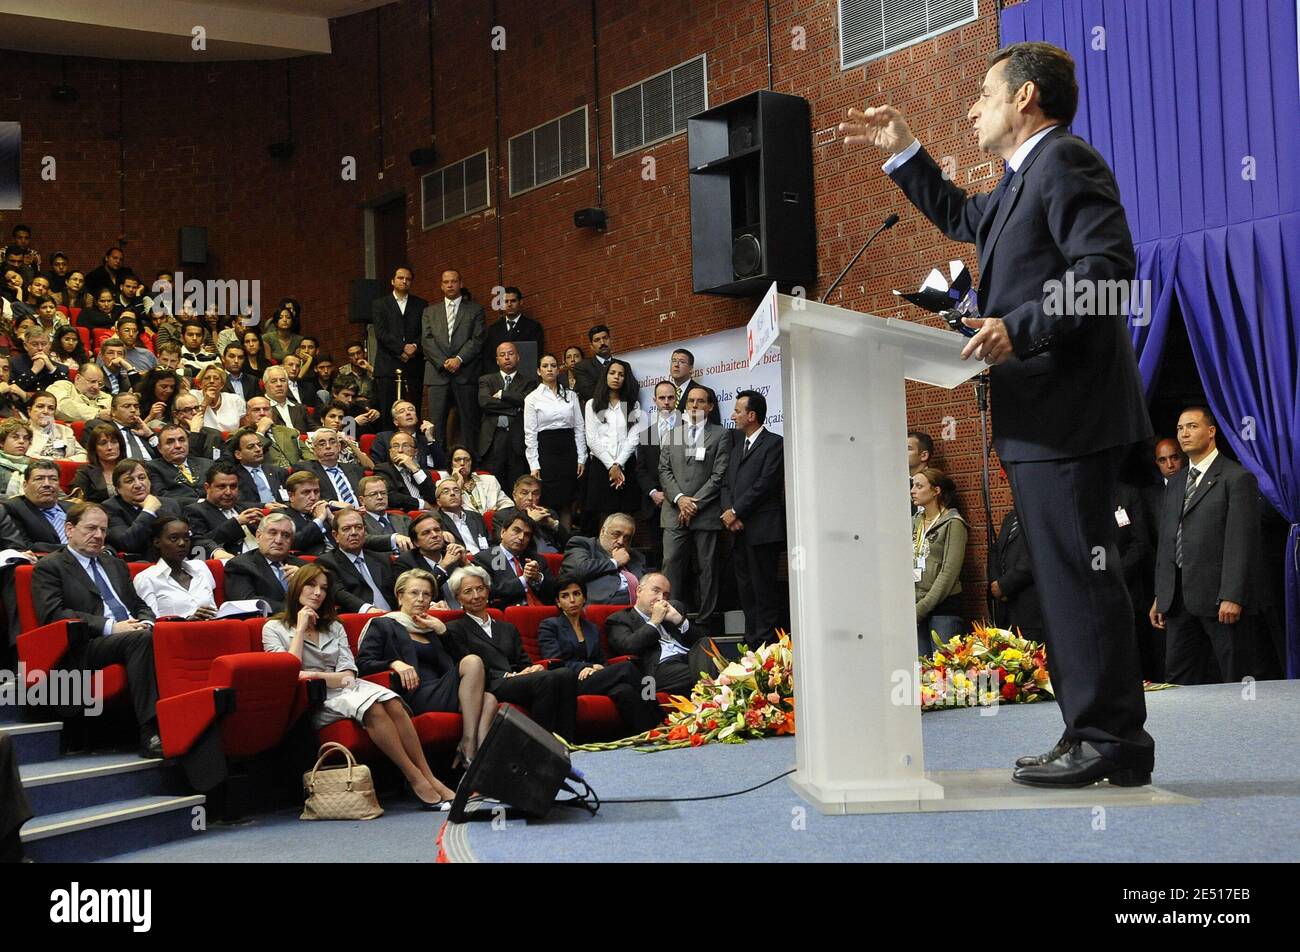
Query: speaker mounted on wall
[{"x": 194, "y": 245}]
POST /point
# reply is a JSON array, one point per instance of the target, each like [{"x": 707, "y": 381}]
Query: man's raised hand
[{"x": 881, "y": 126}]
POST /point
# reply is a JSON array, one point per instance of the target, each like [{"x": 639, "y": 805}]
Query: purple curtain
[{"x": 1191, "y": 102}]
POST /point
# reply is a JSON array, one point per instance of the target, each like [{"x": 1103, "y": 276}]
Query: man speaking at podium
[{"x": 1066, "y": 396}]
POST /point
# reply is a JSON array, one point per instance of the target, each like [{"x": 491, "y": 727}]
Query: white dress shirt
[
  {"x": 668, "y": 645},
  {"x": 545, "y": 410},
  {"x": 1022, "y": 153},
  {"x": 164, "y": 595},
  {"x": 613, "y": 440},
  {"x": 226, "y": 417}
]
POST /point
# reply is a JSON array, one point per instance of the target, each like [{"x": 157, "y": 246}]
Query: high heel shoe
[
  {"x": 437, "y": 806},
  {"x": 461, "y": 761}
]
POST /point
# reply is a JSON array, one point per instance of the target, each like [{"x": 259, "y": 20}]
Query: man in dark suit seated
[
  {"x": 205, "y": 442},
  {"x": 517, "y": 579},
  {"x": 393, "y": 526},
  {"x": 550, "y": 696},
  {"x": 464, "y": 524},
  {"x": 219, "y": 528},
  {"x": 667, "y": 648},
  {"x": 241, "y": 384},
  {"x": 313, "y": 519},
  {"x": 365, "y": 579},
  {"x": 284, "y": 409},
  {"x": 85, "y": 583},
  {"x": 753, "y": 510},
  {"x": 549, "y": 534},
  {"x": 501, "y": 397},
  {"x": 436, "y": 551},
  {"x": 1207, "y": 563},
  {"x": 606, "y": 565},
  {"x": 1065, "y": 386},
  {"x": 175, "y": 474},
  {"x": 281, "y": 447},
  {"x": 259, "y": 484},
  {"x": 1011, "y": 582},
  {"x": 265, "y": 572},
  {"x": 38, "y": 514},
  {"x": 409, "y": 486},
  {"x": 429, "y": 452},
  {"x": 133, "y": 512},
  {"x": 338, "y": 481}
]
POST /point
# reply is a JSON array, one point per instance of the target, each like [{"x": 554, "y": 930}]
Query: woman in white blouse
[
  {"x": 614, "y": 422},
  {"x": 555, "y": 438},
  {"x": 221, "y": 411},
  {"x": 51, "y": 439},
  {"x": 479, "y": 492},
  {"x": 177, "y": 585}
]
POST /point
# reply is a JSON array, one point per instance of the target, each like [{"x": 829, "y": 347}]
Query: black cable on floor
[{"x": 716, "y": 796}]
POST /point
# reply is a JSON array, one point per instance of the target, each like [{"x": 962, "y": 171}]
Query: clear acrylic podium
[{"x": 858, "y": 740}]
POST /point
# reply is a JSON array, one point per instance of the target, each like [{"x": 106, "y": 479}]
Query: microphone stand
[{"x": 889, "y": 222}]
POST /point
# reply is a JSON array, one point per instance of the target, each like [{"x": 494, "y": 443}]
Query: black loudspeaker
[
  {"x": 362, "y": 293},
  {"x": 194, "y": 245},
  {"x": 518, "y": 763},
  {"x": 752, "y": 215},
  {"x": 590, "y": 218}
]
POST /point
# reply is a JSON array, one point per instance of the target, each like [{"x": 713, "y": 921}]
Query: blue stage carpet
[{"x": 1236, "y": 756}]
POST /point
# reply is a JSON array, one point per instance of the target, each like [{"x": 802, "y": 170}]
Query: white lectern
[{"x": 858, "y": 740}]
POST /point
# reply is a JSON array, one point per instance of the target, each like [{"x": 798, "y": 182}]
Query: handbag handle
[{"x": 326, "y": 750}]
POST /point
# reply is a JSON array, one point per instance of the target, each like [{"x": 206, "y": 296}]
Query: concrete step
[
  {"x": 109, "y": 829},
  {"x": 84, "y": 780},
  {"x": 34, "y": 743}
]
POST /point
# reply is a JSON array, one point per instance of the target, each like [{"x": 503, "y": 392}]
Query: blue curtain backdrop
[{"x": 1192, "y": 102}]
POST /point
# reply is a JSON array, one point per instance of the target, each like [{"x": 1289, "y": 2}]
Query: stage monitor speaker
[
  {"x": 752, "y": 215},
  {"x": 362, "y": 294},
  {"x": 518, "y": 763},
  {"x": 194, "y": 245}
]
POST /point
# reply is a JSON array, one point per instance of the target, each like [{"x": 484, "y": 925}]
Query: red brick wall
[{"x": 196, "y": 137}]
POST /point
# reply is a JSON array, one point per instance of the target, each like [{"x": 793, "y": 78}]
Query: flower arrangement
[
  {"x": 751, "y": 697},
  {"x": 987, "y": 666}
]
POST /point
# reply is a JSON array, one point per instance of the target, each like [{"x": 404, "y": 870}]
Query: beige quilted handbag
[{"x": 339, "y": 793}]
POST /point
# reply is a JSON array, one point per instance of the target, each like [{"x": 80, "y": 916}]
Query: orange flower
[
  {"x": 678, "y": 733},
  {"x": 698, "y": 740}
]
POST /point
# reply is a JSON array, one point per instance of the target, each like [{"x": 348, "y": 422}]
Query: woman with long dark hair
[
  {"x": 104, "y": 450},
  {"x": 68, "y": 348},
  {"x": 255, "y": 362},
  {"x": 555, "y": 438},
  {"x": 939, "y": 534},
  {"x": 282, "y": 337},
  {"x": 614, "y": 421},
  {"x": 157, "y": 393},
  {"x": 309, "y": 629}
]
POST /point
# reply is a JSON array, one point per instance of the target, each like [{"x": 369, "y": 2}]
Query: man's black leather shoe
[
  {"x": 1034, "y": 760},
  {"x": 1080, "y": 766},
  {"x": 151, "y": 748}
]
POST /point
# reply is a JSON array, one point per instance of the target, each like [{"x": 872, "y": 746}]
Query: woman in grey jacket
[{"x": 939, "y": 535}]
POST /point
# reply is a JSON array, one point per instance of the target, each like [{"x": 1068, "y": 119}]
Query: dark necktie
[
  {"x": 111, "y": 601},
  {"x": 1193, "y": 477}
]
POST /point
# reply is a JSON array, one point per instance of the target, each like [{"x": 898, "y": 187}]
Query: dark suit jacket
[
  {"x": 508, "y": 588},
  {"x": 251, "y": 576},
  {"x": 353, "y": 591},
  {"x": 1011, "y": 569},
  {"x": 412, "y": 559},
  {"x": 511, "y": 404},
  {"x": 1220, "y": 540},
  {"x": 503, "y": 653},
  {"x": 587, "y": 372},
  {"x": 401, "y": 524},
  {"x": 755, "y": 488},
  {"x": 715, "y": 415},
  {"x": 89, "y": 478},
  {"x": 212, "y": 530},
  {"x": 393, "y": 331},
  {"x": 1153, "y": 507},
  {"x": 398, "y": 497},
  {"x": 1073, "y": 387},
  {"x": 526, "y": 329},
  {"x": 297, "y": 414},
  {"x": 275, "y": 478},
  {"x": 61, "y": 589},
  {"x": 33, "y": 526},
  {"x": 557, "y": 538},
  {"x": 247, "y": 387},
  {"x": 584, "y": 558},
  {"x": 477, "y": 527},
  {"x": 129, "y": 527},
  {"x": 700, "y": 479},
  {"x": 429, "y": 455},
  {"x": 352, "y": 471},
  {"x": 1133, "y": 544},
  {"x": 308, "y": 538},
  {"x": 555, "y": 639},
  {"x": 630, "y": 634},
  {"x": 167, "y": 482},
  {"x": 466, "y": 343},
  {"x": 205, "y": 442}
]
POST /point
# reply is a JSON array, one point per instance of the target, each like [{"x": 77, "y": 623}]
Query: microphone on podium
[{"x": 889, "y": 222}]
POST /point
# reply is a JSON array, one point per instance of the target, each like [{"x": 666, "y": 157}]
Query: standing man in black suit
[
  {"x": 681, "y": 373},
  {"x": 1067, "y": 398},
  {"x": 365, "y": 578},
  {"x": 668, "y": 648},
  {"x": 515, "y": 327},
  {"x": 1207, "y": 563},
  {"x": 753, "y": 509},
  {"x": 693, "y": 469},
  {"x": 588, "y": 371},
  {"x": 265, "y": 572},
  {"x": 501, "y": 398},
  {"x": 452, "y": 339},
  {"x": 1169, "y": 463},
  {"x": 83, "y": 583},
  {"x": 397, "y": 321}
]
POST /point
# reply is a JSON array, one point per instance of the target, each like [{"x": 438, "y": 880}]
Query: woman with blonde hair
[{"x": 221, "y": 410}]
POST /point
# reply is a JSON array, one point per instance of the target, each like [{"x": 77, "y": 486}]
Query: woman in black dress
[
  {"x": 614, "y": 421},
  {"x": 409, "y": 641},
  {"x": 576, "y": 641}
]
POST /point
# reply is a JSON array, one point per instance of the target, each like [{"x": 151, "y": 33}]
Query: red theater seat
[
  {"x": 553, "y": 561},
  {"x": 67, "y": 472},
  {"x": 78, "y": 427},
  {"x": 41, "y": 649},
  {"x": 367, "y": 440}
]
